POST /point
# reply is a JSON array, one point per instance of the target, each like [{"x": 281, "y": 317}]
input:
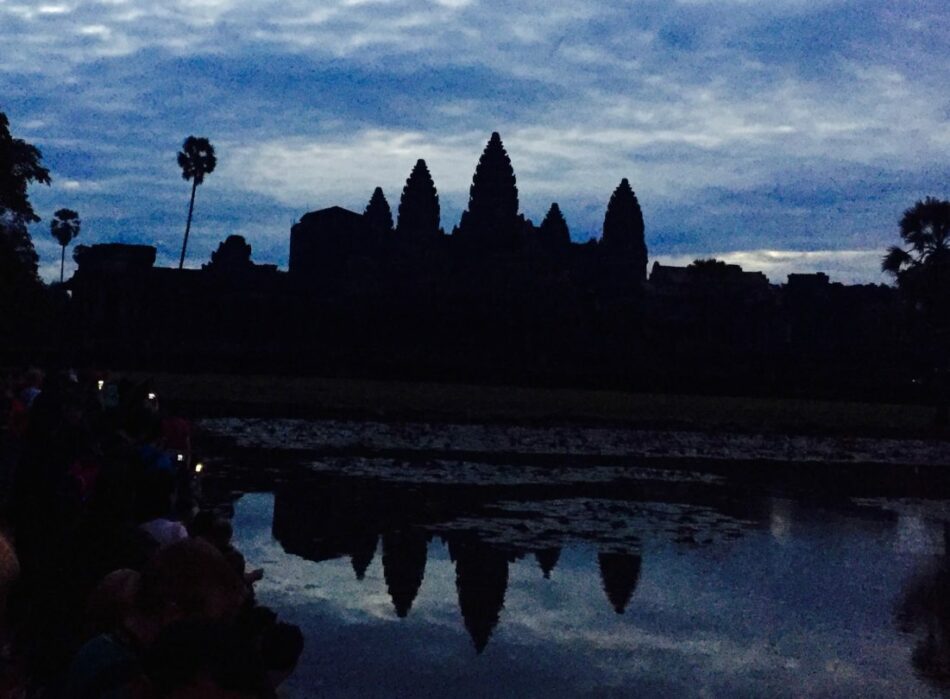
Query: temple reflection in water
[
  {"x": 552, "y": 571},
  {"x": 328, "y": 522}
]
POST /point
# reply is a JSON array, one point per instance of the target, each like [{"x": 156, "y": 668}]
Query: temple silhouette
[{"x": 498, "y": 299}]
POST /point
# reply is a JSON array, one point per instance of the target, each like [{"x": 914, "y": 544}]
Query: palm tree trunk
[
  {"x": 191, "y": 208},
  {"x": 62, "y": 263}
]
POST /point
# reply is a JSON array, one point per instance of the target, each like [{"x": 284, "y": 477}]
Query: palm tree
[
  {"x": 196, "y": 159},
  {"x": 922, "y": 271},
  {"x": 64, "y": 227}
]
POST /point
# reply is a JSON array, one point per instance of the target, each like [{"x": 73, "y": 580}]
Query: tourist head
[
  {"x": 212, "y": 527},
  {"x": 202, "y": 523},
  {"x": 189, "y": 580},
  {"x": 111, "y": 601}
]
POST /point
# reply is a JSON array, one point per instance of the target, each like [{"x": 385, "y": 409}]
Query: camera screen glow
[{"x": 199, "y": 467}]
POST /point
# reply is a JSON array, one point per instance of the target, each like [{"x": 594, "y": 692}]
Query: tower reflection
[
  {"x": 547, "y": 559},
  {"x": 481, "y": 578},
  {"x": 619, "y": 573},
  {"x": 404, "y": 564},
  {"x": 364, "y": 550}
]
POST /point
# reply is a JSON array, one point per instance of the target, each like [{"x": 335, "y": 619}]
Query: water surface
[{"x": 636, "y": 582}]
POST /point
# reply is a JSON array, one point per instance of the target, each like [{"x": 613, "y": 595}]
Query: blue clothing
[
  {"x": 155, "y": 459},
  {"x": 104, "y": 668}
]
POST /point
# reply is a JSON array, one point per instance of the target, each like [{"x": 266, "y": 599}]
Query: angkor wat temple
[{"x": 500, "y": 299}]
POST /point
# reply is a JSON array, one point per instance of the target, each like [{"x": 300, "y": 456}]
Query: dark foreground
[
  {"x": 114, "y": 582},
  {"x": 451, "y": 547},
  {"x": 422, "y": 576}
]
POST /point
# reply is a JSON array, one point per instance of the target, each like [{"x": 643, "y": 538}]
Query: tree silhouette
[
  {"x": 553, "y": 230},
  {"x": 379, "y": 217},
  {"x": 23, "y": 302},
  {"x": 492, "y": 212},
  {"x": 196, "y": 159},
  {"x": 623, "y": 228},
  {"x": 18, "y": 258},
  {"x": 64, "y": 227},
  {"x": 923, "y": 269},
  {"x": 19, "y": 166},
  {"x": 21, "y": 292},
  {"x": 712, "y": 266},
  {"x": 419, "y": 205},
  {"x": 233, "y": 254}
]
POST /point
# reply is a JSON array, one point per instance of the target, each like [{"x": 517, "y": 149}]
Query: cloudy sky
[{"x": 786, "y": 135}]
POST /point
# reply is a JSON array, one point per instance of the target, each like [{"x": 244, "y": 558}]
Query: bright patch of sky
[{"x": 744, "y": 127}]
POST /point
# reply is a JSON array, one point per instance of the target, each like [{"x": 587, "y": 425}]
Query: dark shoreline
[
  {"x": 790, "y": 477},
  {"x": 315, "y": 398}
]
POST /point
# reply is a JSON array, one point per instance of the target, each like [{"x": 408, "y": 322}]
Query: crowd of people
[{"x": 113, "y": 581}]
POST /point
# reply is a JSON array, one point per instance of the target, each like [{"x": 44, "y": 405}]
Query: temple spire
[
  {"x": 624, "y": 230},
  {"x": 492, "y": 214},
  {"x": 419, "y": 206}
]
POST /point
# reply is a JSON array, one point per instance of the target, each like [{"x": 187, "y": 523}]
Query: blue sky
[{"x": 786, "y": 135}]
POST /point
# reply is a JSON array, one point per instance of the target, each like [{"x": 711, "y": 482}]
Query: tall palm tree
[
  {"x": 196, "y": 159},
  {"x": 64, "y": 227}
]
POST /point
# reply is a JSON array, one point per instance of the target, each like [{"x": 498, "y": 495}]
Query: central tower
[{"x": 491, "y": 219}]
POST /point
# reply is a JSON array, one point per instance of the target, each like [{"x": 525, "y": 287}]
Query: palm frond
[
  {"x": 65, "y": 226},
  {"x": 895, "y": 260},
  {"x": 196, "y": 159}
]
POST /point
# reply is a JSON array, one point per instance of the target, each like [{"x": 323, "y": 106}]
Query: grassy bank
[{"x": 209, "y": 394}]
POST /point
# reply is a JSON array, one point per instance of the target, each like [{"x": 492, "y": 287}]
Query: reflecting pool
[{"x": 577, "y": 582}]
